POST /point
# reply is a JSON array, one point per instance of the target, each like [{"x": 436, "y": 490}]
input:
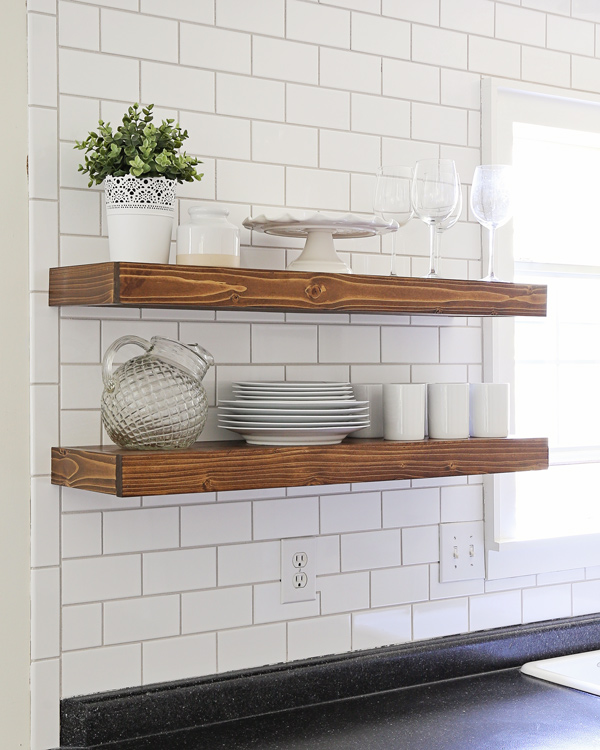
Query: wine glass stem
[
  {"x": 437, "y": 243},
  {"x": 433, "y": 250},
  {"x": 491, "y": 238},
  {"x": 393, "y": 259}
]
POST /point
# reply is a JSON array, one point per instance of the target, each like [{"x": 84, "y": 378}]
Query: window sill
[{"x": 507, "y": 559}]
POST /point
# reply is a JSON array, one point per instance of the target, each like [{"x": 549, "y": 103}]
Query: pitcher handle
[{"x": 109, "y": 355}]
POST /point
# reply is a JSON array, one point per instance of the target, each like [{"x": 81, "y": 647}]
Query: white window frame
[{"x": 505, "y": 556}]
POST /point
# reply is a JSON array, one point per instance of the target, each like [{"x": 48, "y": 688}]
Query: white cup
[
  {"x": 404, "y": 411},
  {"x": 489, "y": 409},
  {"x": 448, "y": 410},
  {"x": 371, "y": 392}
]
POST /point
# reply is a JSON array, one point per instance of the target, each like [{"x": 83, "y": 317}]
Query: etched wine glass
[
  {"x": 435, "y": 193},
  {"x": 491, "y": 203},
  {"x": 392, "y": 200}
]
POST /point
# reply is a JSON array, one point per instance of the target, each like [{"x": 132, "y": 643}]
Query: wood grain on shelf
[
  {"x": 194, "y": 287},
  {"x": 219, "y": 466},
  {"x": 94, "y": 470}
]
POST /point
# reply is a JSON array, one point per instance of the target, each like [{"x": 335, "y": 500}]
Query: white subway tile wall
[{"x": 288, "y": 103}]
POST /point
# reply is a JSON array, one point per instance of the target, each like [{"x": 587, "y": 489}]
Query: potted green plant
[{"x": 140, "y": 165}]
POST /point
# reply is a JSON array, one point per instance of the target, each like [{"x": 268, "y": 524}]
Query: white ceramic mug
[
  {"x": 489, "y": 409},
  {"x": 404, "y": 411},
  {"x": 371, "y": 392},
  {"x": 448, "y": 410}
]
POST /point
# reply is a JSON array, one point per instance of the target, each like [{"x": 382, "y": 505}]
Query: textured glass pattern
[{"x": 153, "y": 405}]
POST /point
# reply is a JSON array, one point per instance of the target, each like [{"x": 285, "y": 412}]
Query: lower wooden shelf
[{"x": 219, "y": 466}]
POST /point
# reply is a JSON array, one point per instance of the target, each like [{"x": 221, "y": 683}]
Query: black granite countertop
[
  {"x": 495, "y": 708},
  {"x": 502, "y": 710}
]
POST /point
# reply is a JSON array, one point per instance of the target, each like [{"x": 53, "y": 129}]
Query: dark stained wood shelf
[
  {"x": 210, "y": 466},
  {"x": 184, "y": 287}
]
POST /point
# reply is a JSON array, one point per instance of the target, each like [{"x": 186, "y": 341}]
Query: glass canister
[{"x": 209, "y": 239}]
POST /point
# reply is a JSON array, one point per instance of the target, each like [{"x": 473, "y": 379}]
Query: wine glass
[
  {"x": 392, "y": 199},
  {"x": 491, "y": 203},
  {"x": 450, "y": 221},
  {"x": 435, "y": 193}
]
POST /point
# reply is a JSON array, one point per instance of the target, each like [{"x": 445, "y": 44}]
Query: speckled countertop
[
  {"x": 463, "y": 693},
  {"x": 496, "y": 711}
]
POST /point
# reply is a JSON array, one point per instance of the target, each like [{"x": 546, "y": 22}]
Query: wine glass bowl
[
  {"x": 491, "y": 203},
  {"x": 454, "y": 215},
  {"x": 392, "y": 199},
  {"x": 435, "y": 194}
]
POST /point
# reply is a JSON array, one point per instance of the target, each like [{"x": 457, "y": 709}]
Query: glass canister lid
[{"x": 198, "y": 212}]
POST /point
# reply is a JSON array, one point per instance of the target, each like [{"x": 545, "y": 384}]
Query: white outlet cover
[
  {"x": 289, "y": 548},
  {"x": 462, "y": 555}
]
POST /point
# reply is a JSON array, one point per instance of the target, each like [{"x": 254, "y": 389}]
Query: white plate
[
  {"x": 296, "y": 418},
  {"x": 290, "y": 384},
  {"x": 232, "y": 424},
  {"x": 294, "y": 436},
  {"x": 295, "y": 388},
  {"x": 241, "y": 392},
  {"x": 274, "y": 396},
  {"x": 249, "y": 410},
  {"x": 300, "y": 223},
  {"x": 295, "y": 404}
]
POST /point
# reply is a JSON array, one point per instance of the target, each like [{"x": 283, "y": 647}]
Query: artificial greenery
[{"x": 139, "y": 148}]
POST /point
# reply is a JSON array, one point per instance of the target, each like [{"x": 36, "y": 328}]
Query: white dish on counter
[{"x": 579, "y": 671}]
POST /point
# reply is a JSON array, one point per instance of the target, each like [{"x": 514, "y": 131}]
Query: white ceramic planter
[{"x": 140, "y": 213}]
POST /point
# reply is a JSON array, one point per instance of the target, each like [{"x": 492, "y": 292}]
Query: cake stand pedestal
[{"x": 320, "y": 230}]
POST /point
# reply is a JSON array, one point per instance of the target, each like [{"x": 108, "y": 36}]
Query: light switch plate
[{"x": 461, "y": 551}]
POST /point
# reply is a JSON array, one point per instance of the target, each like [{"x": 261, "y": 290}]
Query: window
[{"x": 543, "y": 521}]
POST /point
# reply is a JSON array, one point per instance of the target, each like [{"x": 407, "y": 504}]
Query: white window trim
[{"x": 506, "y": 557}]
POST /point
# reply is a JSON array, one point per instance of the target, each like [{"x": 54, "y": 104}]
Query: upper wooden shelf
[
  {"x": 171, "y": 286},
  {"x": 219, "y": 466}
]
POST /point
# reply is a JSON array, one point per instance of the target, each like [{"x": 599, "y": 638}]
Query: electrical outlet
[
  {"x": 298, "y": 569},
  {"x": 299, "y": 559},
  {"x": 461, "y": 551}
]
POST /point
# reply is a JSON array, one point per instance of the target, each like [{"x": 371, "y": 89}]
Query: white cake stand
[{"x": 320, "y": 229}]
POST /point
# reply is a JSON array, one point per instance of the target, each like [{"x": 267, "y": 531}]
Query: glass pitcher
[{"x": 155, "y": 400}]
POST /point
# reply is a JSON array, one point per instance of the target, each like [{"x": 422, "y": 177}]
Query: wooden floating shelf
[
  {"x": 195, "y": 287},
  {"x": 219, "y": 466}
]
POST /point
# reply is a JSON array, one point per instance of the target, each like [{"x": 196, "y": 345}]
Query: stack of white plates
[{"x": 293, "y": 413}]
